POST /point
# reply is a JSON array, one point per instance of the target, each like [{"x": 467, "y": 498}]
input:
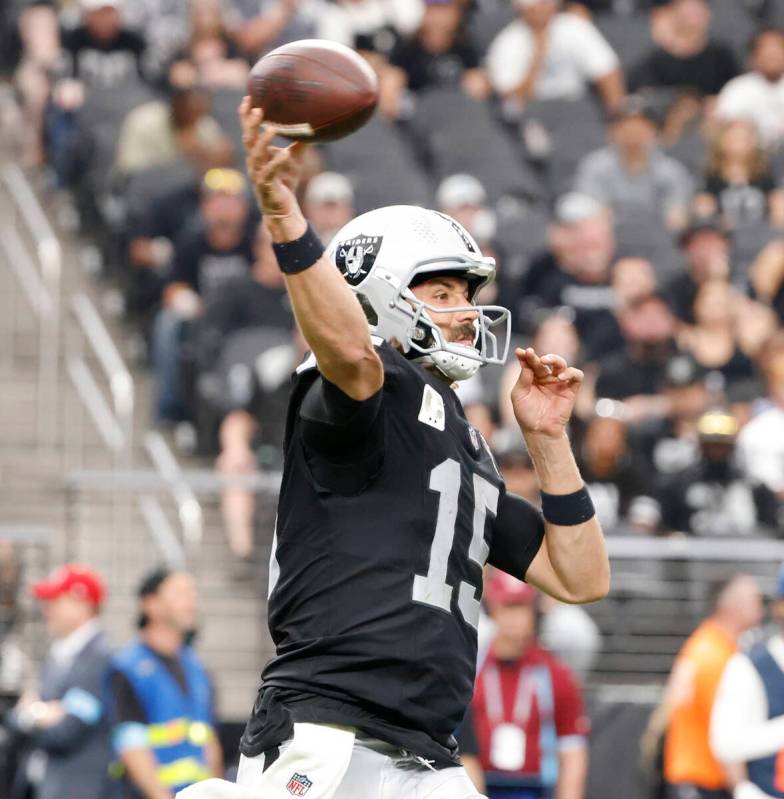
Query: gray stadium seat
[
  {"x": 459, "y": 134},
  {"x": 380, "y": 167},
  {"x": 574, "y": 127},
  {"x": 734, "y": 24},
  {"x": 146, "y": 185},
  {"x": 640, "y": 236},
  {"x": 488, "y": 20},
  {"x": 629, "y": 35},
  {"x": 747, "y": 243},
  {"x": 224, "y": 109}
]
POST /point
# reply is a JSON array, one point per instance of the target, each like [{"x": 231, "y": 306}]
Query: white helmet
[{"x": 381, "y": 253}]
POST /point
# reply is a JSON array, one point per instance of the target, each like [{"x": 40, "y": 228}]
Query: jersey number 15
[{"x": 432, "y": 588}]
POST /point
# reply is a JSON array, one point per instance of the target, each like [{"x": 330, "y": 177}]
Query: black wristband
[
  {"x": 300, "y": 254},
  {"x": 566, "y": 510}
]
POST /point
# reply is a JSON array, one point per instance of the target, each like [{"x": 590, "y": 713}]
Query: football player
[{"x": 391, "y": 503}]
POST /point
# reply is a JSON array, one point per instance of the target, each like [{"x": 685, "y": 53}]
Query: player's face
[{"x": 458, "y": 327}]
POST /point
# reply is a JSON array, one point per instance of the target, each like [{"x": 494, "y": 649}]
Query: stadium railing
[{"x": 35, "y": 259}]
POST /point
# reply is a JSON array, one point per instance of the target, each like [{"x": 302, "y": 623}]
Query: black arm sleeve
[
  {"x": 518, "y": 532},
  {"x": 343, "y": 437}
]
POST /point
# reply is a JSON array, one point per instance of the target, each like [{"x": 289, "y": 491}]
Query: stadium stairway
[{"x": 54, "y": 517}]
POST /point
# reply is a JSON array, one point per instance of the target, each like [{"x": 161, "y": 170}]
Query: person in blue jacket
[{"x": 163, "y": 698}]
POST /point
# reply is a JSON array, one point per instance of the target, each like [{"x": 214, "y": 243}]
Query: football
[{"x": 314, "y": 90}]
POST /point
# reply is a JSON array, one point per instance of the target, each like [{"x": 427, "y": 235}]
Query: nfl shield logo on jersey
[{"x": 299, "y": 785}]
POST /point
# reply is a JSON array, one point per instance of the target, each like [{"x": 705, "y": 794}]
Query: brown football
[{"x": 314, "y": 90}]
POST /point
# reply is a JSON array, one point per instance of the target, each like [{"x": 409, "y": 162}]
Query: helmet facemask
[{"x": 426, "y": 341}]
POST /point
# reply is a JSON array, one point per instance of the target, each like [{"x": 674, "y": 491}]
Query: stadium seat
[
  {"x": 488, "y": 20},
  {"x": 225, "y": 103},
  {"x": 380, "y": 167},
  {"x": 629, "y": 35},
  {"x": 734, "y": 24},
  {"x": 459, "y": 134},
  {"x": 639, "y": 236},
  {"x": 574, "y": 129},
  {"x": 747, "y": 243}
]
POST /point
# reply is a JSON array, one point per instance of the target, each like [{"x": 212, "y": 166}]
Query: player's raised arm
[
  {"x": 572, "y": 563},
  {"x": 327, "y": 311}
]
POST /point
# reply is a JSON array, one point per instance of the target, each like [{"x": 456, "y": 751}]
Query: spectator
[
  {"x": 690, "y": 768},
  {"x": 163, "y": 699},
  {"x": 100, "y": 54},
  {"x": 761, "y": 442},
  {"x": 632, "y": 279},
  {"x": 251, "y": 432},
  {"x": 712, "y": 340},
  {"x": 158, "y": 132},
  {"x": 686, "y": 57},
  {"x": 464, "y": 198},
  {"x": 632, "y": 175},
  {"x": 328, "y": 203},
  {"x": 66, "y": 724},
  {"x": 571, "y": 635},
  {"x": 210, "y": 58},
  {"x": 767, "y": 277},
  {"x": 217, "y": 248},
  {"x": 706, "y": 249},
  {"x": 351, "y": 22},
  {"x": 711, "y": 498},
  {"x": 440, "y": 55},
  {"x": 758, "y": 95},
  {"x": 531, "y": 730},
  {"x": 612, "y": 472},
  {"x": 573, "y": 273},
  {"x": 38, "y": 30},
  {"x": 258, "y": 26},
  {"x": 551, "y": 55},
  {"x": 165, "y": 26},
  {"x": 635, "y": 374},
  {"x": 746, "y": 723},
  {"x": 738, "y": 182}
]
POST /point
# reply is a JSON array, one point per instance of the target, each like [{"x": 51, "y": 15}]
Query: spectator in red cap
[
  {"x": 65, "y": 723},
  {"x": 527, "y": 711}
]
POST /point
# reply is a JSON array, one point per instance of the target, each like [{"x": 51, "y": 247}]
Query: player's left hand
[{"x": 543, "y": 396}]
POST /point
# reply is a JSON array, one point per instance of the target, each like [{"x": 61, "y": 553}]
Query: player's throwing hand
[
  {"x": 274, "y": 171},
  {"x": 544, "y": 394}
]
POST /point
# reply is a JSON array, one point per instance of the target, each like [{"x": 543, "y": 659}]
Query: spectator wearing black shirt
[
  {"x": 216, "y": 248},
  {"x": 713, "y": 340},
  {"x": 711, "y": 497},
  {"x": 635, "y": 374},
  {"x": 164, "y": 664},
  {"x": 686, "y": 57},
  {"x": 441, "y": 54},
  {"x": 738, "y": 183},
  {"x": 574, "y": 272},
  {"x": 612, "y": 474},
  {"x": 100, "y": 54},
  {"x": 706, "y": 249}
]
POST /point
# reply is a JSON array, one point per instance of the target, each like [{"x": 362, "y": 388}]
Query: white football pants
[{"x": 328, "y": 762}]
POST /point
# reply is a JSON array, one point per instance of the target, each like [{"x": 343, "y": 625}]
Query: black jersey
[{"x": 377, "y": 570}]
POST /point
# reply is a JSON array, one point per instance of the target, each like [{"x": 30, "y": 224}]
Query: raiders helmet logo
[{"x": 355, "y": 257}]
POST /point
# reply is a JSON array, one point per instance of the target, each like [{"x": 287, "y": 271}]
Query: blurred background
[{"x": 623, "y": 161}]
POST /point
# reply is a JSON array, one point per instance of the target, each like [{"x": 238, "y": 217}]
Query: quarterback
[{"x": 391, "y": 503}]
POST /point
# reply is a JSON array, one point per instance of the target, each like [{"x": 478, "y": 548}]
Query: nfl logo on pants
[{"x": 299, "y": 785}]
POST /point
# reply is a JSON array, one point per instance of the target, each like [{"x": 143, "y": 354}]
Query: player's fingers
[
  {"x": 571, "y": 375},
  {"x": 540, "y": 369},
  {"x": 262, "y": 151},
  {"x": 556, "y": 363},
  {"x": 251, "y": 125},
  {"x": 270, "y": 170},
  {"x": 526, "y": 377}
]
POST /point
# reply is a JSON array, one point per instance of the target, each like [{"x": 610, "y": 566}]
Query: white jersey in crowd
[
  {"x": 577, "y": 55},
  {"x": 752, "y": 97},
  {"x": 761, "y": 448}
]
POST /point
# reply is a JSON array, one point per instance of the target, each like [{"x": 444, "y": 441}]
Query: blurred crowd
[{"x": 621, "y": 159}]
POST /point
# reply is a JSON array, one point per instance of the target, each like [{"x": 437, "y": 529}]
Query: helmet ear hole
[{"x": 367, "y": 307}]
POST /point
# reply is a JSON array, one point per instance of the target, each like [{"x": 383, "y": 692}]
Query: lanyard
[{"x": 495, "y": 700}]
